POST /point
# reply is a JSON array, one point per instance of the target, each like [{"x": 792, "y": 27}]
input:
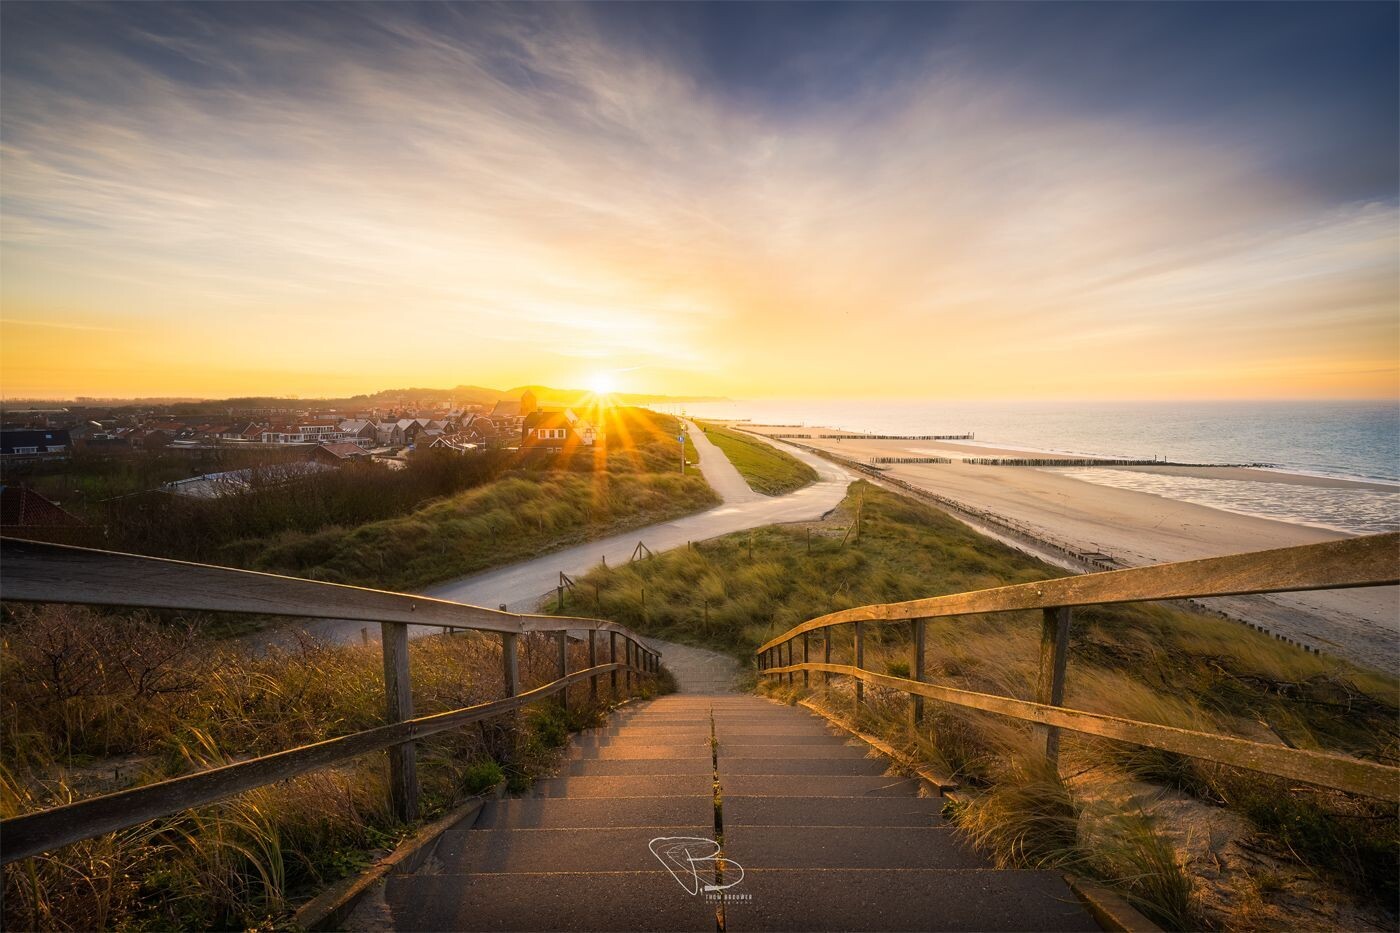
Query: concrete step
[
  {"x": 814, "y": 785},
  {"x": 587, "y": 812},
  {"x": 479, "y": 851},
  {"x": 913, "y": 899},
  {"x": 775, "y": 736},
  {"x": 831, "y": 811},
  {"x": 583, "y": 901},
  {"x": 834, "y": 750},
  {"x": 632, "y": 785},
  {"x": 810, "y": 766},
  {"x": 632, "y": 750},
  {"x": 895, "y": 847},
  {"x": 618, "y": 766}
]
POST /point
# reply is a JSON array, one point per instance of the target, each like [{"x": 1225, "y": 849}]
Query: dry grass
[
  {"x": 1156, "y": 663},
  {"x": 94, "y": 702}
]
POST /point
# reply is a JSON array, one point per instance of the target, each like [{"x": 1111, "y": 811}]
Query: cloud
[{"x": 402, "y": 192}]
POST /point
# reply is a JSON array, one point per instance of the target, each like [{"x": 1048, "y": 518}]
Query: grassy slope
[
  {"x": 587, "y": 494},
  {"x": 765, "y": 468},
  {"x": 1150, "y": 662},
  {"x": 70, "y": 716}
]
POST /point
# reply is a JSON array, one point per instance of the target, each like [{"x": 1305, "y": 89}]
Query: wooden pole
[
  {"x": 564, "y": 667},
  {"x": 510, "y": 669},
  {"x": 860, "y": 660},
  {"x": 916, "y": 702},
  {"x": 826, "y": 657},
  {"x": 1050, "y": 685},
  {"x": 806, "y": 656},
  {"x": 398, "y": 706},
  {"x": 612, "y": 658},
  {"x": 627, "y": 648},
  {"x": 593, "y": 662}
]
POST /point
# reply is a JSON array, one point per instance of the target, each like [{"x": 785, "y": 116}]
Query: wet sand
[{"x": 1138, "y": 528}]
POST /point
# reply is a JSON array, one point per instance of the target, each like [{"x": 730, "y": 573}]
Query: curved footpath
[{"x": 521, "y": 586}]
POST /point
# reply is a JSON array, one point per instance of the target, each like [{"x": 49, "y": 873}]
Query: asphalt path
[{"x": 521, "y": 587}]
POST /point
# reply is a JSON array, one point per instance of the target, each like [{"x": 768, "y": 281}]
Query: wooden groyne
[
  {"x": 785, "y": 437},
  {"x": 1104, "y": 462},
  {"x": 910, "y": 460},
  {"x": 893, "y": 437}
]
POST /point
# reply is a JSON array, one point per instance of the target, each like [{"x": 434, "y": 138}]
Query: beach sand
[{"x": 1138, "y": 528}]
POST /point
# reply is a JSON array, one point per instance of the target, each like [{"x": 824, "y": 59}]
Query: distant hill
[{"x": 463, "y": 394}]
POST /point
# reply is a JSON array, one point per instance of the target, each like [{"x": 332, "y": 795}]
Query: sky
[{"x": 994, "y": 200}]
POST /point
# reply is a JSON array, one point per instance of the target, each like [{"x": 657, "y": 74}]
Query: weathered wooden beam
[
  {"x": 1339, "y": 772},
  {"x": 806, "y": 656},
  {"x": 27, "y": 835},
  {"x": 563, "y": 667},
  {"x": 860, "y": 660},
  {"x": 826, "y": 657},
  {"x": 916, "y": 670},
  {"x": 510, "y": 669},
  {"x": 1050, "y": 683},
  {"x": 593, "y": 662},
  {"x": 612, "y": 656},
  {"x": 39, "y": 572},
  {"x": 1370, "y": 560},
  {"x": 398, "y": 707}
]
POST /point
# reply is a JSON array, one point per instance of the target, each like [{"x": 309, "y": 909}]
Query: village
[{"x": 282, "y": 444}]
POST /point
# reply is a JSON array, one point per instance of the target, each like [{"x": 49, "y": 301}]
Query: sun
[{"x": 602, "y": 384}]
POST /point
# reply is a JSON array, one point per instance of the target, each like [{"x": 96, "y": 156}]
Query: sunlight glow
[{"x": 602, "y": 384}]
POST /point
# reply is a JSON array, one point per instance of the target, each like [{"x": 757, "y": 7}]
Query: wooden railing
[
  {"x": 1354, "y": 562},
  {"x": 50, "y": 573}
]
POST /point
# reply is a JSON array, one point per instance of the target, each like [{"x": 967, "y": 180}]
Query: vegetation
[
  {"x": 94, "y": 703},
  {"x": 1152, "y": 662},
  {"x": 765, "y": 468},
  {"x": 442, "y": 515}
]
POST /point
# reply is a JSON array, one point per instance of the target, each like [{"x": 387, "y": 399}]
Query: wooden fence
[
  {"x": 895, "y": 437},
  {"x": 51, "y": 573},
  {"x": 1104, "y": 462},
  {"x": 1373, "y": 560}
]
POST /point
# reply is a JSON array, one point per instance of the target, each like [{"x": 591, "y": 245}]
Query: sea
[{"x": 1356, "y": 440}]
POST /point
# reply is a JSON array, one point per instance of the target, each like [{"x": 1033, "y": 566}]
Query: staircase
[{"x": 816, "y": 837}]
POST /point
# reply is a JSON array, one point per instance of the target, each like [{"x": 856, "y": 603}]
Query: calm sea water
[{"x": 1354, "y": 440}]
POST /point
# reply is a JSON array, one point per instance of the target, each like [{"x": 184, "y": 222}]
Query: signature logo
[{"x": 693, "y": 860}]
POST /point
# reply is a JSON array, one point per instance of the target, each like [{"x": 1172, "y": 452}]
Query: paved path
[
  {"x": 523, "y": 585},
  {"x": 816, "y": 837}
]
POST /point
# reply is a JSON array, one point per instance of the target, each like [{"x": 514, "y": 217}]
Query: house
[
  {"x": 23, "y": 446},
  {"x": 555, "y": 431},
  {"x": 339, "y": 453},
  {"x": 360, "y": 431},
  {"x": 457, "y": 443},
  {"x": 21, "y": 507}
]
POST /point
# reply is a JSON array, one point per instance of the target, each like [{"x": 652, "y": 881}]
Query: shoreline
[{"x": 1103, "y": 527}]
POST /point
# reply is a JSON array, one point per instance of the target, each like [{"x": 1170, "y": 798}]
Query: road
[{"x": 521, "y": 586}]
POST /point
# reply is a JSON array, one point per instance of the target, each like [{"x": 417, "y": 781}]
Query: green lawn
[{"x": 765, "y": 468}]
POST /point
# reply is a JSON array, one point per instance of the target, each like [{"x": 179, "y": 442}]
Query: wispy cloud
[{"x": 410, "y": 199}]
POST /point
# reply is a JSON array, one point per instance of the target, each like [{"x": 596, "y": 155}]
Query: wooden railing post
[
  {"x": 510, "y": 670},
  {"x": 826, "y": 657},
  {"x": 916, "y": 671},
  {"x": 790, "y": 676},
  {"x": 398, "y": 706},
  {"x": 860, "y": 660},
  {"x": 593, "y": 662},
  {"x": 564, "y": 667},
  {"x": 1050, "y": 686},
  {"x": 612, "y": 659},
  {"x": 627, "y": 649},
  {"x": 806, "y": 656}
]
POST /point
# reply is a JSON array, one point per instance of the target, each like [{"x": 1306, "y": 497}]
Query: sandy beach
[{"x": 1138, "y": 528}]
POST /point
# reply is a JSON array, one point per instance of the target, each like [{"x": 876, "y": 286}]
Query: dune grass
[
  {"x": 764, "y": 467},
  {"x": 91, "y": 703},
  {"x": 1152, "y": 662}
]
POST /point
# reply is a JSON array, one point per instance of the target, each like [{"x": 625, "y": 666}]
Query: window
[{"x": 26, "y": 450}]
